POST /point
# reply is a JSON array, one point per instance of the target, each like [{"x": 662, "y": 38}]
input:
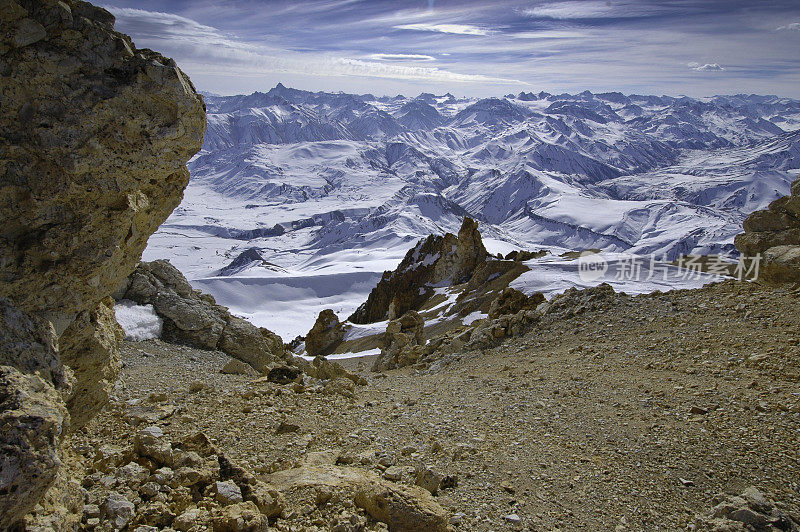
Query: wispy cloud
[
  {"x": 591, "y": 9},
  {"x": 205, "y": 47},
  {"x": 402, "y": 57},
  {"x": 457, "y": 29},
  {"x": 473, "y": 46},
  {"x": 707, "y": 67}
]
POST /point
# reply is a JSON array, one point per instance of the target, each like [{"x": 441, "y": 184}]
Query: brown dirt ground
[{"x": 592, "y": 423}]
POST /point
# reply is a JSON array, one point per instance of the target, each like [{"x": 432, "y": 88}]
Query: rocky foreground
[{"x": 660, "y": 412}]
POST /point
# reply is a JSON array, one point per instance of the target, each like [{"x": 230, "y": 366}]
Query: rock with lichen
[{"x": 94, "y": 139}]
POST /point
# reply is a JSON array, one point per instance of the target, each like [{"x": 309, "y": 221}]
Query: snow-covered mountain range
[{"x": 320, "y": 192}]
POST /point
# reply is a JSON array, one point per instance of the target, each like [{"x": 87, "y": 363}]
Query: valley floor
[{"x": 629, "y": 417}]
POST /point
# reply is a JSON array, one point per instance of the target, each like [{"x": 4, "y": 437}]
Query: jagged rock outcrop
[
  {"x": 244, "y": 260},
  {"x": 94, "y": 139},
  {"x": 193, "y": 318},
  {"x": 774, "y": 233},
  {"x": 402, "y": 342},
  {"x": 434, "y": 260},
  {"x": 325, "y": 335}
]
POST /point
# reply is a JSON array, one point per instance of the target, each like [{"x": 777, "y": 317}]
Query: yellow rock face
[{"x": 95, "y": 139}]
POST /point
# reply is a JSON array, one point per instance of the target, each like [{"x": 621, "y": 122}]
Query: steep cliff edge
[{"x": 94, "y": 139}]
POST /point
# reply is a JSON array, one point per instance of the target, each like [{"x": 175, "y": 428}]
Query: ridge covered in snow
[{"x": 299, "y": 200}]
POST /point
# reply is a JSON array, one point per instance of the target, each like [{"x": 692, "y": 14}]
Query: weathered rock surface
[
  {"x": 90, "y": 346},
  {"x": 94, "y": 140},
  {"x": 29, "y": 344},
  {"x": 511, "y": 301},
  {"x": 194, "y": 319},
  {"x": 33, "y": 421},
  {"x": 432, "y": 261},
  {"x": 775, "y": 234},
  {"x": 402, "y": 342},
  {"x": 325, "y": 335}
]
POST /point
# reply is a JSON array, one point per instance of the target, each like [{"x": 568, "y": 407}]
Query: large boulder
[
  {"x": 94, "y": 139},
  {"x": 436, "y": 260},
  {"x": 325, "y": 335},
  {"x": 193, "y": 318},
  {"x": 774, "y": 235},
  {"x": 400, "y": 507}
]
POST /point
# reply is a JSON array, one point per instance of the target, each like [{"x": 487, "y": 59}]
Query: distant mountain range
[{"x": 317, "y": 181}]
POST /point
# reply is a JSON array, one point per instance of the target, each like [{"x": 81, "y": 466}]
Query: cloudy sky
[{"x": 480, "y": 48}]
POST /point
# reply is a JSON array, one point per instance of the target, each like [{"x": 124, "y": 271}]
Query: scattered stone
[
  {"x": 751, "y": 510},
  {"x": 241, "y": 517},
  {"x": 284, "y": 374},
  {"x": 150, "y": 442},
  {"x": 396, "y": 473},
  {"x": 117, "y": 510},
  {"x": 197, "y": 386},
  {"x": 400, "y": 507},
  {"x": 227, "y": 493},
  {"x": 429, "y": 479}
]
